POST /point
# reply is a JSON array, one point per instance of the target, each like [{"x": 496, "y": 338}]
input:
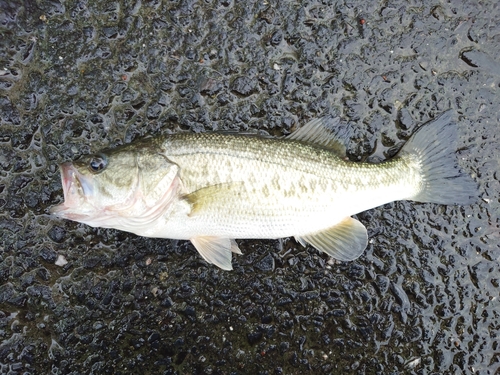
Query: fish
[{"x": 215, "y": 187}]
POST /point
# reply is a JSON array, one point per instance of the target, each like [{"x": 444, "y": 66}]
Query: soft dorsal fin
[
  {"x": 324, "y": 131},
  {"x": 345, "y": 241}
]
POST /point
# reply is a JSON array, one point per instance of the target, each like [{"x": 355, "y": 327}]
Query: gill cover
[{"x": 127, "y": 188}]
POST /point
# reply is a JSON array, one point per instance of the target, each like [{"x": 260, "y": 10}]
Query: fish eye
[{"x": 97, "y": 163}]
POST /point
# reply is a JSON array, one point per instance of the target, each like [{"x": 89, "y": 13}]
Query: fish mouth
[{"x": 76, "y": 189}]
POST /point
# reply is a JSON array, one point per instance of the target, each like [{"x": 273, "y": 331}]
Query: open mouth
[{"x": 73, "y": 190}]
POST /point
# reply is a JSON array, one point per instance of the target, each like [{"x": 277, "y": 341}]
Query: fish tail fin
[{"x": 434, "y": 147}]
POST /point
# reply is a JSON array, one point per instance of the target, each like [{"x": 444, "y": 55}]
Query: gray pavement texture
[{"x": 80, "y": 75}]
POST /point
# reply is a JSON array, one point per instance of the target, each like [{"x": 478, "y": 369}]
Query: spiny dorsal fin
[
  {"x": 345, "y": 241},
  {"x": 324, "y": 131}
]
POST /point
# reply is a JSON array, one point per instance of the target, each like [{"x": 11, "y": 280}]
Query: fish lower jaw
[{"x": 64, "y": 212}]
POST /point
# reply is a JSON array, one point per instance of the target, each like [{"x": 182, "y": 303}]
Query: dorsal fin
[{"x": 325, "y": 132}]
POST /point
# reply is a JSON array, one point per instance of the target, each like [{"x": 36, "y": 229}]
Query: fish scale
[{"x": 279, "y": 166}]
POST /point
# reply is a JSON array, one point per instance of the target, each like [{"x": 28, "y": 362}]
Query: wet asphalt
[{"x": 77, "y": 76}]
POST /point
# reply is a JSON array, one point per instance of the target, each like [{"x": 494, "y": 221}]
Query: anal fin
[
  {"x": 344, "y": 241},
  {"x": 216, "y": 250}
]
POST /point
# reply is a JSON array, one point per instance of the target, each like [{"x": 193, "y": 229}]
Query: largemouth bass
[{"x": 213, "y": 188}]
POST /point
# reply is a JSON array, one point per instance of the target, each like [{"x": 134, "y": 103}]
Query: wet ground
[{"x": 76, "y": 76}]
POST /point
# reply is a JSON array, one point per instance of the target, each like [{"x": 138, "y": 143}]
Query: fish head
[{"x": 122, "y": 188}]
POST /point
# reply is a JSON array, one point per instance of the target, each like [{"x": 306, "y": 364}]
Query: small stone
[
  {"x": 61, "y": 261},
  {"x": 244, "y": 86}
]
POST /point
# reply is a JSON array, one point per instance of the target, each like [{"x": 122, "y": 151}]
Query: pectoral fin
[
  {"x": 211, "y": 197},
  {"x": 216, "y": 250},
  {"x": 345, "y": 241}
]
